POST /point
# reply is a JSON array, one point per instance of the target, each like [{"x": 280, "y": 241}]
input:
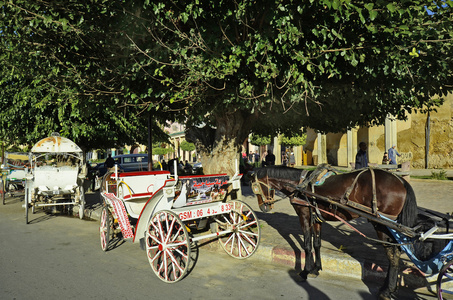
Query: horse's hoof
[
  {"x": 303, "y": 276},
  {"x": 313, "y": 275}
]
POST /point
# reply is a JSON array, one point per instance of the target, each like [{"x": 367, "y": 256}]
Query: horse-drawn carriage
[
  {"x": 56, "y": 176},
  {"x": 385, "y": 199},
  {"x": 12, "y": 179},
  {"x": 168, "y": 214}
]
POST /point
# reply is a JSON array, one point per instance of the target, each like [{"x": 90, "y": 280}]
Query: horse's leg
[
  {"x": 393, "y": 254},
  {"x": 317, "y": 247},
  {"x": 304, "y": 220},
  {"x": 391, "y": 281}
]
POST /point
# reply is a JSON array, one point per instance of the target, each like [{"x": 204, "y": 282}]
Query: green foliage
[
  {"x": 294, "y": 140},
  {"x": 162, "y": 151},
  {"x": 259, "y": 140},
  {"x": 441, "y": 175},
  {"x": 94, "y": 70},
  {"x": 186, "y": 146}
]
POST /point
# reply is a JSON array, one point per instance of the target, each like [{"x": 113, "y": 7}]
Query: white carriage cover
[{"x": 55, "y": 144}]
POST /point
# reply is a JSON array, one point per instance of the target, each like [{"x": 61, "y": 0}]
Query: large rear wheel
[
  {"x": 106, "y": 228},
  {"x": 245, "y": 237},
  {"x": 445, "y": 281},
  {"x": 27, "y": 203},
  {"x": 168, "y": 246},
  {"x": 2, "y": 189}
]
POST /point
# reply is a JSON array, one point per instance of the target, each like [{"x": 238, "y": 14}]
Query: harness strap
[{"x": 345, "y": 198}]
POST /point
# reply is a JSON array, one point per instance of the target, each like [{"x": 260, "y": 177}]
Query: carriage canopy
[{"x": 55, "y": 144}]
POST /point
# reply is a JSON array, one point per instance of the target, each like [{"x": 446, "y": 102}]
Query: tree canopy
[{"x": 225, "y": 68}]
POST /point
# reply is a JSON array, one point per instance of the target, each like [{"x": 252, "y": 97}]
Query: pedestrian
[
  {"x": 109, "y": 162},
  {"x": 270, "y": 158},
  {"x": 263, "y": 159},
  {"x": 164, "y": 165},
  {"x": 251, "y": 156},
  {"x": 392, "y": 155},
  {"x": 385, "y": 159},
  {"x": 361, "y": 159},
  {"x": 257, "y": 158},
  {"x": 292, "y": 159}
]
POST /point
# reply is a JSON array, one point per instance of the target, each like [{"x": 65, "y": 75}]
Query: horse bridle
[{"x": 258, "y": 190}]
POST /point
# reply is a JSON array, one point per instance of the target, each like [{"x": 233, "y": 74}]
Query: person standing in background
[
  {"x": 361, "y": 159},
  {"x": 392, "y": 155}
]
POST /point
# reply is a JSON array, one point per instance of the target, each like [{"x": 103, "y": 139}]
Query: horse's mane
[{"x": 279, "y": 172}]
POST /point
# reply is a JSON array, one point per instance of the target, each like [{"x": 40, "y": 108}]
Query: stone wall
[{"x": 441, "y": 142}]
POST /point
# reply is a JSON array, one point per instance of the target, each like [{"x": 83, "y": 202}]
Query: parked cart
[
  {"x": 12, "y": 179},
  {"x": 56, "y": 176},
  {"x": 167, "y": 215}
]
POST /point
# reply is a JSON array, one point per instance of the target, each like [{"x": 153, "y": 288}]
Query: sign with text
[{"x": 203, "y": 188}]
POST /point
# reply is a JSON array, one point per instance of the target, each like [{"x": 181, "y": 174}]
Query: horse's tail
[{"x": 408, "y": 215}]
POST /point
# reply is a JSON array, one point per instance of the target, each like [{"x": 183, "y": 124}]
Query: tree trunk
[{"x": 220, "y": 148}]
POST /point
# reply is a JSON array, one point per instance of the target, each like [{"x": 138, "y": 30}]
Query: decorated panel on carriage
[{"x": 202, "y": 189}]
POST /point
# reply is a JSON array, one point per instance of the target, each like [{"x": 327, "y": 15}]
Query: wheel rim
[
  {"x": 243, "y": 241},
  {"x": 104, "y": 229},
  {"x": 168, "y": 246},
  {"x": 445, "y": 282}
]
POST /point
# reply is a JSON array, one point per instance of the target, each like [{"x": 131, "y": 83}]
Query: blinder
[{"x": 258, "y": 190}]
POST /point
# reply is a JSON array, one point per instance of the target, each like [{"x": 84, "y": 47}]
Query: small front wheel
[
  {"x": 245, "y": 237},
  {"x": 168, "y": 246},
  {"x": 445, "y": 281}
]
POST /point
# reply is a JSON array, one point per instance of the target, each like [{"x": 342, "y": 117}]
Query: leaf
[
  {"x": 373, "y": 14},
  {"x": 391, "y": 7}
]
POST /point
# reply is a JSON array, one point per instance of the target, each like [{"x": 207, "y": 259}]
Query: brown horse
[{"x": 366, "y": 191}]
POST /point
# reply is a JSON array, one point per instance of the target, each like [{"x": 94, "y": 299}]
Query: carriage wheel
[
  {"x": 445, "y": 281},
  {"x": 81, "y": 202},
  {"x": 27, "y": 200},
  {"x": 168, "y": 246},
  {"x": 243, "y": 241},
  {"x": 2, "y": 189},
  {"x": 106, "y": 228}
]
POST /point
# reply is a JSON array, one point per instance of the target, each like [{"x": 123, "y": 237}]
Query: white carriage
[
  {"x": 168, "y": 215},
  {"x": 13, "y": 171},
  {"x": 56, "y": 175}
]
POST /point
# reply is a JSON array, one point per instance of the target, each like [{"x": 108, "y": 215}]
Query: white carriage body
[
  {"x": 57, "y": 172},
  {"x": 142, "y": 194},
  {"x": 56, "y": 166}
]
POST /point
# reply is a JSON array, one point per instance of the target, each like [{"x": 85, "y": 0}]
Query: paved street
[{"x": 59, "y": 257}]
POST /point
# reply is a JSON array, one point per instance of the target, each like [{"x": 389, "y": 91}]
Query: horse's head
[
  {"x": 266, "y": 180},
  {"x": 264, "y": 192}
]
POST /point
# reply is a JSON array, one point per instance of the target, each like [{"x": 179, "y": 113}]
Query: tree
[
  {"x": 187, "y": 146},
  {"x": 295, "y": 140},
  {"x": 227, "y": 68},
  {"x": 56, "y": 76},
  {"x": 259, "y": 140}
]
